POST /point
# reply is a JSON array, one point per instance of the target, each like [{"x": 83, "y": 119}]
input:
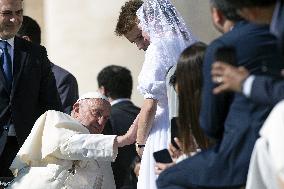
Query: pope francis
[{"x": 69, "y": 152}]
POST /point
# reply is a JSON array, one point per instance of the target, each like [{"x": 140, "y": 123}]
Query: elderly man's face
[
  {"x": 93, "y": 114},
  {"x": 11, "y": 17}
]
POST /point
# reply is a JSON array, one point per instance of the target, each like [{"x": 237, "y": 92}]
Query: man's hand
[
  {"x": 228, "y": 77},
  {"x": 130, "y": 136}
]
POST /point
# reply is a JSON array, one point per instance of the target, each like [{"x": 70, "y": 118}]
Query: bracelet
[{"x": 139, "y": 145}]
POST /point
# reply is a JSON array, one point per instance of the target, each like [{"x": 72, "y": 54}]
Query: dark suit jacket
[
  {"x": 270, "y": 90},
  {"x": 33, "y": 91},
  {"x": 231, "y": 119},
  {"x": 122, "y": 116},
  {"x": 67, "y": 87}
]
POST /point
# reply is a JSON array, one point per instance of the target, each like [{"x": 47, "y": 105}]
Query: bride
[{"x": 163, "y": 26}]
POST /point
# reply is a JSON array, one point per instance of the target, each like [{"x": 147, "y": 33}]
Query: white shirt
[
  {"x": 119, "y": 100},
  {"x": 247, "y": 85}
]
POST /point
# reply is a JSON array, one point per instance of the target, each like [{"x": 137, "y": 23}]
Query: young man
[{"x": 127, "y": 24}]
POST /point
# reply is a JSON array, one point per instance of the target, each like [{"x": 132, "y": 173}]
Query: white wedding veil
[
  {"x": 169, "y": 36},
  {"x": 159, "y": 19}
]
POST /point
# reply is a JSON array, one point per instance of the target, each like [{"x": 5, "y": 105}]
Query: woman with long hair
[
  {"x": 187, "y": 81},
  {"x": 189, "y": 86},
  {"x": 163, "y": 26}
]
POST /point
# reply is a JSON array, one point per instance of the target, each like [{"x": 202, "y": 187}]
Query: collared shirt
[
  {"x": 10, "y": 49},
  {"x": 119, "y": 100},
  {"x": 247, "y": 85}
]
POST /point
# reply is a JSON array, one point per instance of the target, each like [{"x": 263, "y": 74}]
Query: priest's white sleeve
[{"x": 89, "y": 146}]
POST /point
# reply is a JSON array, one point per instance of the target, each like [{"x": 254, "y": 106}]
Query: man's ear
[
  {"x": 217, "y": 17},
  {"x": 27, "y": 38},
  {"x": 103, "y": 90},
  {"x": 76, "y": 109}
]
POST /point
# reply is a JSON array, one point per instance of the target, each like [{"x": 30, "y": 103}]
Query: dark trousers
[{"x": 10, "y": 151}]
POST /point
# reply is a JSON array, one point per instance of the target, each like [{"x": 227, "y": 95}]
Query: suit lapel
[{"x": 20, "y": 57}]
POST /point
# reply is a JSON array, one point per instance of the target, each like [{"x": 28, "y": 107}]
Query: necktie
[{"x": 6, "y": 63}]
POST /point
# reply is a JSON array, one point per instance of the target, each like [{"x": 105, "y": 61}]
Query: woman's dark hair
[{"x": 189, "y": 82}]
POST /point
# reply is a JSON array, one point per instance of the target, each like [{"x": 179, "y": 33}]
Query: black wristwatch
[{"x": 139, "y": 145}]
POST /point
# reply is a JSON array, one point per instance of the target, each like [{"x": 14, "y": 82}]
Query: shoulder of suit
[
  {"x": 214, "y": 45},
  {"x": 60, "y": 69},
  {"x": 57, "y": 70},
  {"x": 227, "y": 38},
  {"x": 124, "y": 105}
]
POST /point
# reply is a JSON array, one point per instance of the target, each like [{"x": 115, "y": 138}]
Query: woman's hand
[
  {"x": 160, "y": 167},
  {"x": 174, "y": 152},
  {"x": 139, "y": 151}
]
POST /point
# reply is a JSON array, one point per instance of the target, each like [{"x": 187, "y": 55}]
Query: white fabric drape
[{"x": 267, "y": 161}]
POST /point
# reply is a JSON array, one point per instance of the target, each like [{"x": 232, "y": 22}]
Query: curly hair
[{"x": 127, "y": 17}]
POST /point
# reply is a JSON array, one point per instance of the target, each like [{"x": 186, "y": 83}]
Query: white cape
[{"x": 57, "y": 142}]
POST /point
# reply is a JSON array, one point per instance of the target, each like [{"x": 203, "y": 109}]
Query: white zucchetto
[{"x": 90, "y": 95}]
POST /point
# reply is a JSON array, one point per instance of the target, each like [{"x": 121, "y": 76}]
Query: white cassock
[
  {"x": 61, "y": 153},
  {"x": 267, "y": 161}
]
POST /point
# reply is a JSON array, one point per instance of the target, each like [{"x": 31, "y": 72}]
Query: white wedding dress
[
  {"x": 152, "y": 84},
  {"x": 169, "y": 36}
]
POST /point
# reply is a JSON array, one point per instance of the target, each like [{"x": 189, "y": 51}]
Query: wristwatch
[{"x": 139, "y": 145}]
